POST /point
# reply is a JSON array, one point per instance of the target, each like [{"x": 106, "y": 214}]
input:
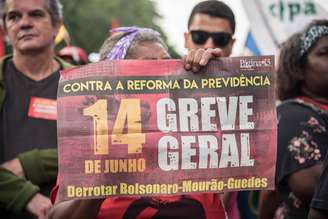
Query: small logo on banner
[
  {"x": 255, "y": 63},
  {"x": 43, "y": 108}
]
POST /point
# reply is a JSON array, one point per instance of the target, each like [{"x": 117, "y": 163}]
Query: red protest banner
[{"x": 143, "y": 128}]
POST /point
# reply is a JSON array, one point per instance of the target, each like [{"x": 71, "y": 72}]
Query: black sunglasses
[{"x": 220, "y": 39}]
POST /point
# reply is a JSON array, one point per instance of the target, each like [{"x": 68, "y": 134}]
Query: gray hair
[
  {"x": 54, "y": 7},
  {"x": 143, "y": 36}
]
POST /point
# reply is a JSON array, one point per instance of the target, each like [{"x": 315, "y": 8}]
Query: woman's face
[
  {"x": 316, "y": 70},
  {"x": 148, "y": 50}
]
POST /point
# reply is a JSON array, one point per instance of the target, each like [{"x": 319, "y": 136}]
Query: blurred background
[{"x": 261, "y": 25}]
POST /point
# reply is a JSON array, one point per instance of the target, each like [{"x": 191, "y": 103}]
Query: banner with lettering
[
  {"x": 273, "y": 21},
  {"x": 141, "y": 128}
]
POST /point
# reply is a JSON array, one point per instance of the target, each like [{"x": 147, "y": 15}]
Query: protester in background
[
  {"x": 319, "y": 203},
  {"x": 30, "y": 75},
  {"x": 211, "y": 25},
  {"x": 141, "y": 43},
  {"x": 74, "y": 55},
  {"x": 303, "y": 118}
]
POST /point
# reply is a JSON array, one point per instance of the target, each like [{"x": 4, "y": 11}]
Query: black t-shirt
[
  {"x": 18, "y": 131},
  {"x": 21, "y": 132},
  {"x": 302, "y": 143}
]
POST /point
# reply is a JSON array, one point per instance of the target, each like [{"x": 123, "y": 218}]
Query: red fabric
[
  {"x": 53, "y": 194},
  {"x": 2, "y": 43},
  {"x": 318, "y": 104},
  {"x": 197, "y": 206}
]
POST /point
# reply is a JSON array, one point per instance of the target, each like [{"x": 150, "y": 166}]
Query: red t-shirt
[{"x": 196, "y": 206}]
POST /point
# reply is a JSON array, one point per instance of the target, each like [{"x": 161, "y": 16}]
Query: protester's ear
[
  {"x": 186, "y": 35},
  {"x": 230, "y": 46},
  {"x": 233, "y": 42},
  {"x": 4, "y": 25},
  {"x": 57, "y": 27}
]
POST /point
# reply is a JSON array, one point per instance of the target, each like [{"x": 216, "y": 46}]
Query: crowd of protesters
[{"x": 28, "y": 139}]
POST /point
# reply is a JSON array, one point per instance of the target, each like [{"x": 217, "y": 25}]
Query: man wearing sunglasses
[{"x": 211, "y": 25}]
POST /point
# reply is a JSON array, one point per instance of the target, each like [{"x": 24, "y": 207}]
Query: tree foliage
[{"x": 89, "y": 22}]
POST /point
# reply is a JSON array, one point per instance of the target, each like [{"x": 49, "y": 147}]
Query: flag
[
  {"x": 272, "y": 21},
  {"x": 63, "y": 35}
]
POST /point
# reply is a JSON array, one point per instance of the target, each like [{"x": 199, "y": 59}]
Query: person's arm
[
  {"x": 268, "y": 204},
  {"x": 38, "y": 166},
  {"x": 225, "y": 197},
  {"x": 303, "y": 182},
  {"x": 39, "y": 206},
  {"x": 18, "y": 195},
  {"x": 316, "y": 214},
  {"x": 319, "y": 203},
  {"x": 15, "y": 167},
  {"x": 15, "y": 192},
  {"x": 76, "y": 209},
  {"x": 82, "y": 208}
]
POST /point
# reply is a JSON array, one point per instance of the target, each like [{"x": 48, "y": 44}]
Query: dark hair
[
  {"x": 214, "y": 8},
  {"x": 54, "y": 7},
  {"x": 291, "y": 65}
]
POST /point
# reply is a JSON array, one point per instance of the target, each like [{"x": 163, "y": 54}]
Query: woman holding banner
[
  {"x": 303, "y": 118},
  {"x": 144, "y": 43}
]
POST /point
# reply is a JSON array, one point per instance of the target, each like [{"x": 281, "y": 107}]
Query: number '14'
[{"x": 129, "y": 113}]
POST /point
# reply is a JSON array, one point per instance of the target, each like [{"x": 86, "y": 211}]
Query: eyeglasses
[{"x": 220, "y": 39}]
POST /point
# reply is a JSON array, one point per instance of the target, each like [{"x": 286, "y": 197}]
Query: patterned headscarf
[
  {"x": 310, "y": 37},
  {"x": 120, "y": 49}
]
